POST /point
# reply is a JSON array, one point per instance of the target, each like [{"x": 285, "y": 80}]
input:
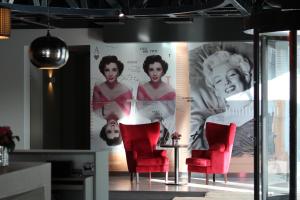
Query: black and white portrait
[{"x": 221, "y": 77}]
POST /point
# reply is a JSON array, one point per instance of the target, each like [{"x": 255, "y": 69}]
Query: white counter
[
  {"x": 99, "y": 187},
  {"x": 20, "y": 179}
]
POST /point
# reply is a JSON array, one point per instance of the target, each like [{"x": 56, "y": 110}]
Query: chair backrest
[
  {"x": 220, "y": 133},
  {"x": 142, "y": 137}
]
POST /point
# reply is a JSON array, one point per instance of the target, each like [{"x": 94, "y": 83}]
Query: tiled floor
[
  {"x": 119, "y": 185},
  {"x": 123, "y": 183},
  {"x": 235, "y": 186}
]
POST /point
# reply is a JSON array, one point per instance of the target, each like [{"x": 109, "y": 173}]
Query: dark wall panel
[{"x": 66, "y": 106}]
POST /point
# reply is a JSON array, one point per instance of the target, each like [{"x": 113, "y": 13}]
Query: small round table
[{"x": 176, "y": 158}]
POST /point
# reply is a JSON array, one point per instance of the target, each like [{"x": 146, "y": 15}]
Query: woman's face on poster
[
  {"x": 112, "y": 129},
  {"x": 227, "y": 80},
  {"x": 155, "y": 72},
  {"x": 111, "y": 72}
]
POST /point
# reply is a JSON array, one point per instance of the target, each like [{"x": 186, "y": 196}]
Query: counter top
[
  {"x": 21, "y": 178},
  {"x": 16, "y": 166}
]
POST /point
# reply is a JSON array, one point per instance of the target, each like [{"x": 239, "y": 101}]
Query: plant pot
[{"x": 4, "y": 157}]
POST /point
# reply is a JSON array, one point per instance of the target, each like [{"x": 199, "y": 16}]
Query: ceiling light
[
  {"x": 120, "y": 13},
  {"x": 48, "y": 52},
  {"x": 5, "y": 23}
]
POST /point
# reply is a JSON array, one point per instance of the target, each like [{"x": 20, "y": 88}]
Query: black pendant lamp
[{"x": 48, "y": 52}]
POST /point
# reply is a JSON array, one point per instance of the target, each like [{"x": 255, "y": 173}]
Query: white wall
[{"x": 14, "y": 75}]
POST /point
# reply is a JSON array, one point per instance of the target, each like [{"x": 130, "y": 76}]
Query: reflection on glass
[{"x": 276, "y": 120}]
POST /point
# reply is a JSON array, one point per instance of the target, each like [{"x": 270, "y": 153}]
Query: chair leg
[
  {"x": 225, "y": 178},
  {"x": 149, "y": 176},
  {"x": 167, "y": 177},
  {"x": 189, "y": 176},
  {"x": 131, "y": 176},
  {"x": 137, "y": 177},
  {"x": 206, "y": 179},
  {"x": 214, "y": 177}
]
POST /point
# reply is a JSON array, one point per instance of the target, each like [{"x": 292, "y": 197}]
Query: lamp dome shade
[{"x": 48, "y": 52}]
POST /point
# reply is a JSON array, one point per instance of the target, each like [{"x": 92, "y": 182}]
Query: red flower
[
  {"x": 7, "y": 138},
  {"x": 176, "y": 136},
  {"x": 5, "y": 130}
]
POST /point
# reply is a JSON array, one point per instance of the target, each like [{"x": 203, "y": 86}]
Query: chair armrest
[
  {"x": 220, "y": 161},
  {"x": 218, "y": 147},
  {"x": 162, "y": 153}
]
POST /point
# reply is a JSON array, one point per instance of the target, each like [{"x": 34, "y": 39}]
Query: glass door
[
  {"x": 275, "y": 117},
  {"x": 278, "y": 122}
]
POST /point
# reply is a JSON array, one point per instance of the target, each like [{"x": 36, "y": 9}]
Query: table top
[
  {"x": 174, "y": 146},
  {"x": 18, "y": 166}
]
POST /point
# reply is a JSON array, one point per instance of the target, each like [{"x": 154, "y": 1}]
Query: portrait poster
[
  {"x": 221, "y": 87},
  {"x": 132, "y": 90}
]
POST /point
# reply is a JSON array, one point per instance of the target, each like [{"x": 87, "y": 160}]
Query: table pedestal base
[{"x": 176, "y": 184}]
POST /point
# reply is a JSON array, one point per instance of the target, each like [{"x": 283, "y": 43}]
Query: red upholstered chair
[
  {"x": 216, "y": 159},
  {"x": 140, "y": 146}
]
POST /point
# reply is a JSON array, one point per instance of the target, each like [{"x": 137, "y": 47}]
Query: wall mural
[
  {"x": 221, "y": 89},
  {"x": 135, "y": 83},
  {"x": 131, "y": 83}
]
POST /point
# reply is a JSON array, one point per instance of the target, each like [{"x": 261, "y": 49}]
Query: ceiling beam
[
  {"x": 114, "y": 3},
  {"x": 21, "y": 8},
  {"x": 43, "y": 25},
  {"x": 118, "y": 4},
  {"x": 243, "y": 6},
  {"x": 84, "y": 3},
  {"x": 36, "y": 2},
  {"x": 164, "y": 11},
  {"x": 72, "y": 3},
  {"x": 45, "y": 3}
]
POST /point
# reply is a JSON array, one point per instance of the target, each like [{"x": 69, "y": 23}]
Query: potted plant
[
  {"x": 7, "y": 144},
  {"x": 175, "y": 137}
]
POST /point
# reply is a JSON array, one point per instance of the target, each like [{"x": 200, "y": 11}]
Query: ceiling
[{"x": 97, "y": 13}]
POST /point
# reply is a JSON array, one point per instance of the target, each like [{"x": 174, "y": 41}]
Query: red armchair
[
  {"x": 140, "y": 146},
  {"x": 216, "y": 159}
]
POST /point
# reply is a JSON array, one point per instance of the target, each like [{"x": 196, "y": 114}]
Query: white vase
[
  {"x": 4, "y": 158},
  {"x": 174, "y": 142}
]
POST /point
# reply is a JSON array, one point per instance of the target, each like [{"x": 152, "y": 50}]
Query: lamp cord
[{"x": 48, "y": 14}]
